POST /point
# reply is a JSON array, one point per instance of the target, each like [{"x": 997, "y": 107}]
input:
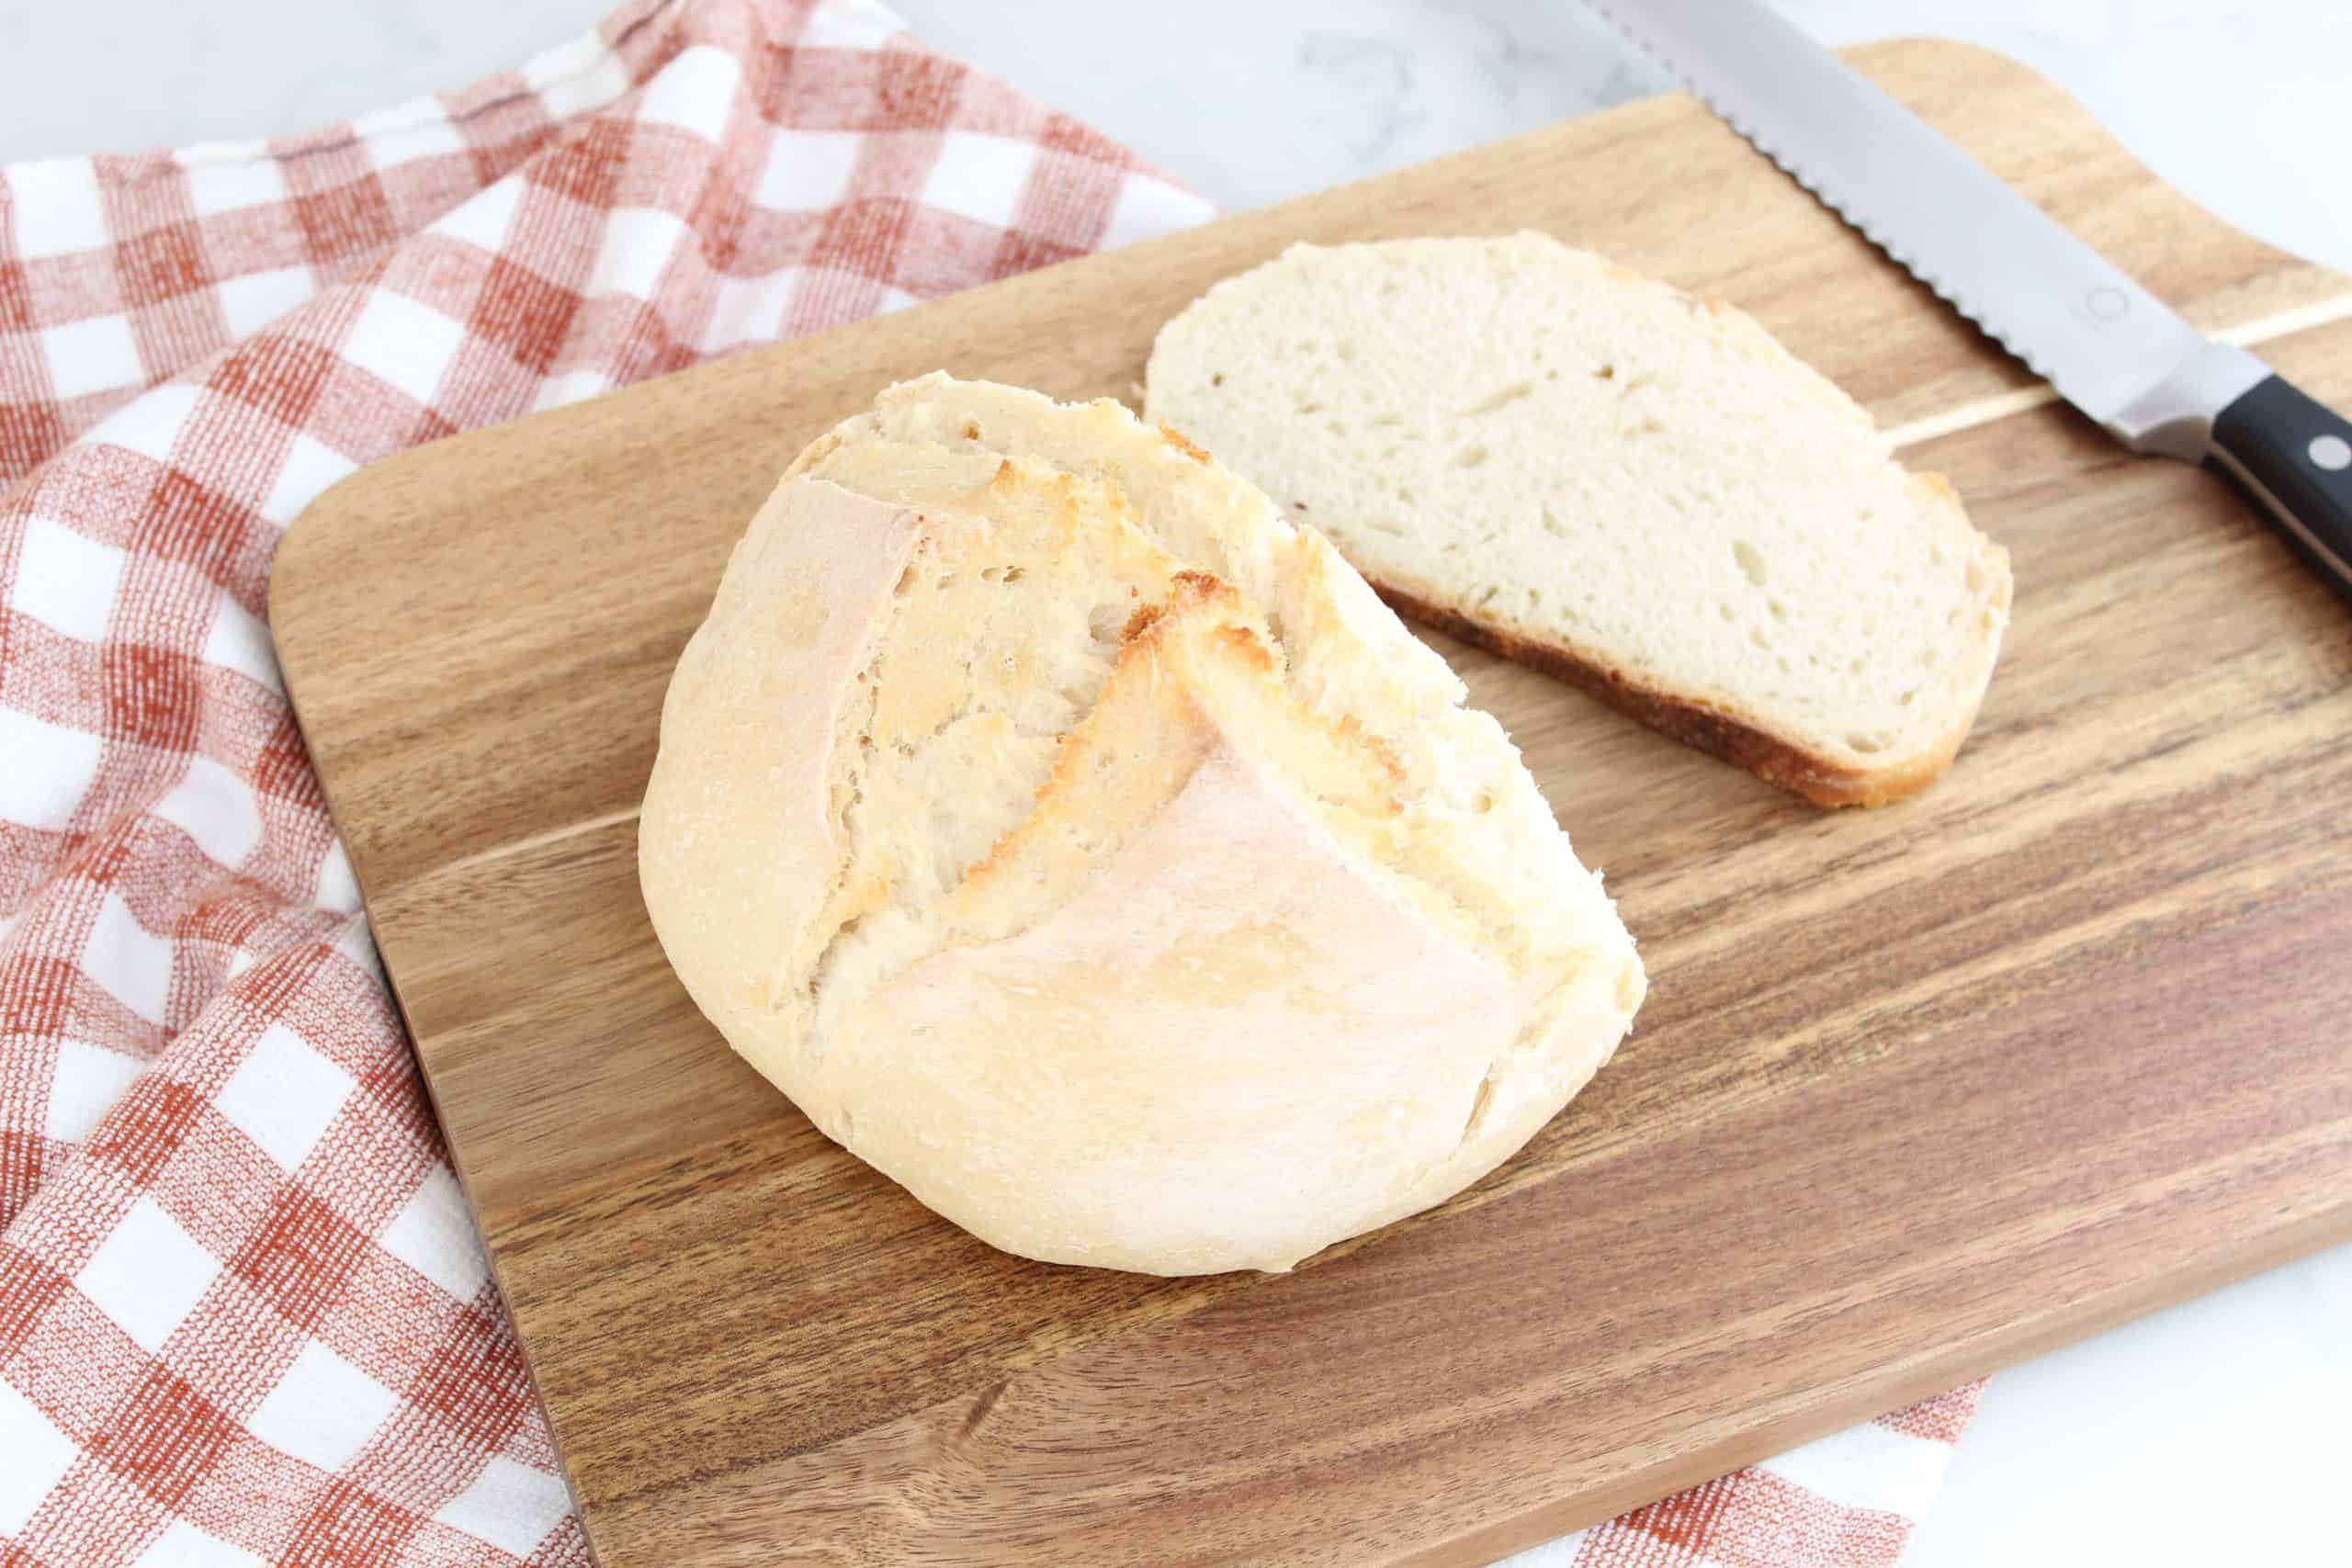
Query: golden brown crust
[
  {"x": 1141, "y": 620},
  {"x": 1944, "y": 492},
  {"x": 1248, "y": 646},
  {"x": 1696, "y": 723},
  {"x": 1379, "y": 747},
  {"x": 1183, "y": 443}
]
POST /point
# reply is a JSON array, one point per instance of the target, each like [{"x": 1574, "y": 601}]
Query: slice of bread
[
  {"x": 1125, "y": 916},
  {"x": 1594, "y": 475}
]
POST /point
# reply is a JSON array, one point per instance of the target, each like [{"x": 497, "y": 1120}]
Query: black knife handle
[{"x": 2292, "y": 457}]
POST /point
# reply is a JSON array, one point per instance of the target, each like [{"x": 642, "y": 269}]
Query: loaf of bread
[
  {"x": 1590, "y": 473},
  {"x": 1091, "y": 852}
]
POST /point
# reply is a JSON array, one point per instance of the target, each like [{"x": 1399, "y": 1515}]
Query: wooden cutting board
[{"x": 1918, "y": 1091}]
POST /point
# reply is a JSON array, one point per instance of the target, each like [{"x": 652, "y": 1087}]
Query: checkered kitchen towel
[{"x": 243, "y": 1315}]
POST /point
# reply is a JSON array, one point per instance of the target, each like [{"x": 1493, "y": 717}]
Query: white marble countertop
[{"x": 2206, "y": 1434}]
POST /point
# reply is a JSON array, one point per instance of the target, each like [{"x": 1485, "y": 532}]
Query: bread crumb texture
[
  {"x": 1087, "y": 847},
  {"x": 1595, "y": 474}
]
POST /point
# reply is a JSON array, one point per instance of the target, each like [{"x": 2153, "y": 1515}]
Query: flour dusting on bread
[{"x": 1086, "y": 847}]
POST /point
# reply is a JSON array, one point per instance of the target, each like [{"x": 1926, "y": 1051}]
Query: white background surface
[{"x": 2207, "y": 1434}]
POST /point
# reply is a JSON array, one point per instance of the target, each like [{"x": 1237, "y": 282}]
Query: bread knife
[{"x": 2107, "y": 345}]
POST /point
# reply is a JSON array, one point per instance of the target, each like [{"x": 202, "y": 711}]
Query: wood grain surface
[{"x": 1918, "y": 1091}]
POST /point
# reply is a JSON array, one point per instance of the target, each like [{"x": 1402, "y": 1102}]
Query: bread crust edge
[{"x": 1695, "y": 722}]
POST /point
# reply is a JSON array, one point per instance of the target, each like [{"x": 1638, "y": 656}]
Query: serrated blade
[{"x": 2079, "y": 322}]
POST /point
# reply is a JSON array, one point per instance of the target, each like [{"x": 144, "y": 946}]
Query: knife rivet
[
  {"x": 2106, "y": 304},
  {"x": 2331, "y": 452}
]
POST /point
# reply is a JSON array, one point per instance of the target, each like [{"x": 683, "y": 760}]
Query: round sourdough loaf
[{"x": 1091, "y": 852}]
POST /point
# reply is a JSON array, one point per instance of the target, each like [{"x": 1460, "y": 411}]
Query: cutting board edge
[{"x": 1919, "y": 1381}]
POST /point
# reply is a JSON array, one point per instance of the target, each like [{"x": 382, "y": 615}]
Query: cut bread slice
[
  {"x": 1010, "y": 844},
  {"x": 1590, "y": 473}
]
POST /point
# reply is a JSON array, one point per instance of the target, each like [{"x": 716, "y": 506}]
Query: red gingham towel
[{"x": 244, "y": 1314}]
